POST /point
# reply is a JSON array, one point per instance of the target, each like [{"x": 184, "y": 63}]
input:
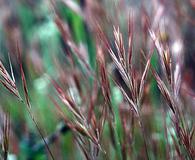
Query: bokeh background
[{"x": 32, "y": 24}]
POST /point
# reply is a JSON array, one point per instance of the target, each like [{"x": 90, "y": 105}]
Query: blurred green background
[{"x": 32, "y": 24}]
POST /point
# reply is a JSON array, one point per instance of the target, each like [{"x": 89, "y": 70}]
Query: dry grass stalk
[
  {"x": 6, "y": 136},
  {"x": 90, "y": 127},
  {"x": 72, "y": 47},
  {"x": 7, "y": 81},
  {"x": 125, "y": 68},
  {"x": 80, "y": 126},
  {"x": 28, "y": 100},
  {"x": 171, "y": 95},
  {"x": 165, "y": 92},
  {"x": 104, "y": 78},
  {"x": 68, "y": 102}
]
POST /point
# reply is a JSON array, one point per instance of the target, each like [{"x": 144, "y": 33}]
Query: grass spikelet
[
  {"x": 67, "y": 101},
  {"x": 165, "y": 92},
  {"x": 7, "y": 82},
  {"x": 104, "y": 79}
]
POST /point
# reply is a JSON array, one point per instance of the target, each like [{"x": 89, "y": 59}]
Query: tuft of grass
[{"x": 102, "y": 84}]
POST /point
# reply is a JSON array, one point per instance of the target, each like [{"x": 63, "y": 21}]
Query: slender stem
[
  {"x": 39, "y": 130},
  {"x": 143, "y": 134}
]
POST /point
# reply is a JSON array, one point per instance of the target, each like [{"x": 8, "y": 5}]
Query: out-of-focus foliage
[{"x": 106, "y": 79}]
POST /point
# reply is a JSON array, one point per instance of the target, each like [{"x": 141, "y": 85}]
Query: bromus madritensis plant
[{"x": 97, "y": 82}]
